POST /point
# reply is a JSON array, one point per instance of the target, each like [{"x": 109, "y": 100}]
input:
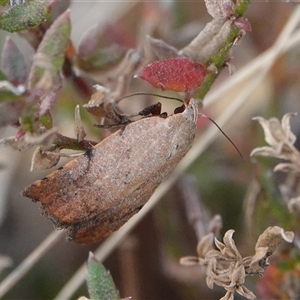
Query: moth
[{"x": 95, "y": 194}]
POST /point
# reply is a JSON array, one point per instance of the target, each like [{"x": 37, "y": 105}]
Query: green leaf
[
  {"x": 13, "y": 63},
  {"x": 46, "y": 120},
  {"x": 2, "y": 76},
  {"x": 99, "y": 281},
  {"x": 21, "y": 17},
  {"x": 50, "y": 54},
  {"x": 28, "y": 123}
]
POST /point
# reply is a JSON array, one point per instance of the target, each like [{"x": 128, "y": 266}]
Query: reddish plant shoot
[
  {"x": 243, "y": 24},
  {"x": 180, "y": 74}
]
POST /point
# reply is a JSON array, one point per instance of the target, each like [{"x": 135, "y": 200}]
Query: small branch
[{"x": 219, "y": 59}]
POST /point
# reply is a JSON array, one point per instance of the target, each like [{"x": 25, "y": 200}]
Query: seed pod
[{"x": 95, "y": 194}]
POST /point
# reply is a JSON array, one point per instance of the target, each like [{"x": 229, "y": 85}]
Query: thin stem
[
  {"x": 219, "y": 59},
  {"x": 25, "y": 266}
]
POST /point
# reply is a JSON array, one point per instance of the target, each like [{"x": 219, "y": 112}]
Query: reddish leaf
[
  {"x": 179, "y": 74},
  {"x": 243, "y": 24},
  {"x": 13, "y": 63}
]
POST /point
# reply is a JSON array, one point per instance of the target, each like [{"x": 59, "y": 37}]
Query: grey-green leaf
[
  {"x": 50, "y": 54},
  {"x": 99, "y": 281},
  {"x": 25, "y": 16}
]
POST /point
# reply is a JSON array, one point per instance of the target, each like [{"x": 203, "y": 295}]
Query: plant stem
[{"x": 220, "y": 58}]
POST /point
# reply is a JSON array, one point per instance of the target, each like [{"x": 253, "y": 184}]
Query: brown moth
[{"x": 97, "y": 193}]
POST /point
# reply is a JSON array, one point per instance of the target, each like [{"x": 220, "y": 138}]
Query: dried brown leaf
[
  {"x": 285, "y": 123},
  {"x": 214, "y": 254},
  {"x": 260, "y": 253},
  {"x": 205, "y": 245},
  {"x": 280, "y": 138},
  {"x": 226, "y": 267},
  {"x": 230, "y": 244},
  {"x": 78, "y": 126},
  {"x": 228, "y": 296},
  {"x": 219, "y": 245},
  {"x": 275, "y": 131},
  {"x": 287, "y": 167},
  {"x": 242, "y": 290},
  {"x": 272, "y": 237},
  {"x": 237, "y": 275},
  {"x": 189, "y": 260},
  {"x": 44, "y": 160},
  {"x": 96, "y": 104},
  {"x": 210, "y": 271}
]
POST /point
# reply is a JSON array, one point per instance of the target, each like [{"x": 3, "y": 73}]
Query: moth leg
[{"x": 151, "y": 110}]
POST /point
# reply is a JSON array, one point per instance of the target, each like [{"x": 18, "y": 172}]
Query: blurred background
[{"x": 146, "y": 264}]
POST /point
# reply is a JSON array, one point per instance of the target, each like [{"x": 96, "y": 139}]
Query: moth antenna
[
  {"x": 150, "y": 94},
  {"x": 227, "y": 137}
]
